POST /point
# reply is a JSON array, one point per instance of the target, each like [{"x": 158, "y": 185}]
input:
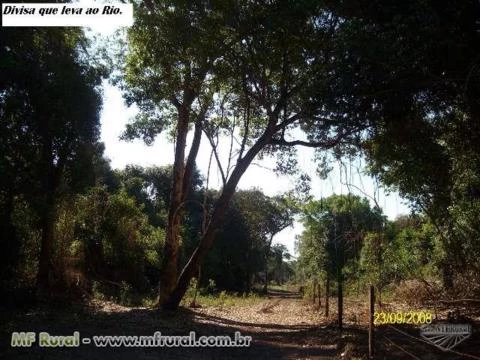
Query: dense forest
[{"x": 395, "y": 83}]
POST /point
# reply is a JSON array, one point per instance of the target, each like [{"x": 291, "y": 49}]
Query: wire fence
[{"x": 465, "y": 355}]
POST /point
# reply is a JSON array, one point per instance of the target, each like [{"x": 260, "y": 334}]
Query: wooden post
[
  {"x": 327, "y": 294},
  {"x": 340, "y": 302},
  {"x": 320, "y": 295},
  {"x": 371, "y": 311}
]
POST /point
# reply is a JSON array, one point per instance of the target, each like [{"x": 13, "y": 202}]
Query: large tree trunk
[
  {"x": 181, "y": 180},
  {"x": 95, "y": 259},
  {"x": 216, "y": 220},
  {"x": 447, "y": 276},
  {"x": 168, "y": 275},
  {"x": 200, "y": 252},
  {"x": 45, "y": 266},
  {"x": 10, "y": 243},
  {"x": 267, "y": 253},
  {"x": 52, "y": 162}
]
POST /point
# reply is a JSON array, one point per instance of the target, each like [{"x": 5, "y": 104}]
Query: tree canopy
[
  {"x": 49, "y": 106},
  {"x": 248, "y": 71}
]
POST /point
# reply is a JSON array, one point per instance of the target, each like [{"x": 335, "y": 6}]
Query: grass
[
  {"x": 206, "y": 297},
  {"x": 224, "y": 299},
  {"x": 221, "y": 299},
  {"x": 284, "y": 287}
]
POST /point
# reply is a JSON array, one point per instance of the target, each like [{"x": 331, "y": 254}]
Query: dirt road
[{"x": 283, "y": 326}]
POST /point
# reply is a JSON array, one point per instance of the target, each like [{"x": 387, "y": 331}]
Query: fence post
[
  {"x": 319, "y": 295},
  {"x": 327, "y": 295},
  {"x": 371, "y": 339}
]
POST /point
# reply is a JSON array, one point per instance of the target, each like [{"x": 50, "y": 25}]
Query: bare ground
[{"x": 283, "y": 326}]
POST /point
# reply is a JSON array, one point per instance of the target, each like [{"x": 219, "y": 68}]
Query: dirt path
[
  {"x": 281, "y": 327},
  {"x": 284, "y": 326}
]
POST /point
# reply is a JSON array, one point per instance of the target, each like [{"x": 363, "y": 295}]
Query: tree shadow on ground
[
  {"x": 284, "y": 294},
  {"x": 268, "y": 340}
]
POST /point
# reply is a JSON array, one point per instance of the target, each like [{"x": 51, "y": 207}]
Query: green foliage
[
  {"x": 125, "y": 291},
  {"x": 376, "y": 259},
  {"x": 25, "y": 222},
  {"x": 278, "y": 269},
  {"x": 308, "y": 288},
  {"x": 192, "y": 288},
  {"x": 335, "y": 228},
  {"x": 256, "y": 72},
  {"x": 171, "y": 44},
  {"x": 343, "y": 235},
  {"x": 211, "y": 287},
  {"x": 225, "y": 299},
  {"x": 118, "y": 241},
  {"x": 96, "y": 291},
  {"x": 49, "y": 128},
  {"x": 407, "y": 250},
  {"x": 392, "y": 63},
  {"x": 243, "y": 244},
  {"x": 59, "y": 114},
  {"x": 345, "y": 76}
]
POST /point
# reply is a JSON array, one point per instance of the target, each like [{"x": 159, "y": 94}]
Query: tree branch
[
  {"x": 217, "y": 159},
  {"x": 192, "y": 156},
  {"x": 246, "y": 124},
  {"x": 313, "y": 144},
  {"x": 288, "y": 121}
]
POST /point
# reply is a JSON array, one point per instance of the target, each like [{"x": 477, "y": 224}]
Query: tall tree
[
  {"x": 414, "y": 66},
  {"x": 280, "y": 212},
  {"x": 256, "y": 72},
  {"x": 242, "y": 244},
  {"x": 335, "y": 228},
  {"x": 49, "y": 105}
]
